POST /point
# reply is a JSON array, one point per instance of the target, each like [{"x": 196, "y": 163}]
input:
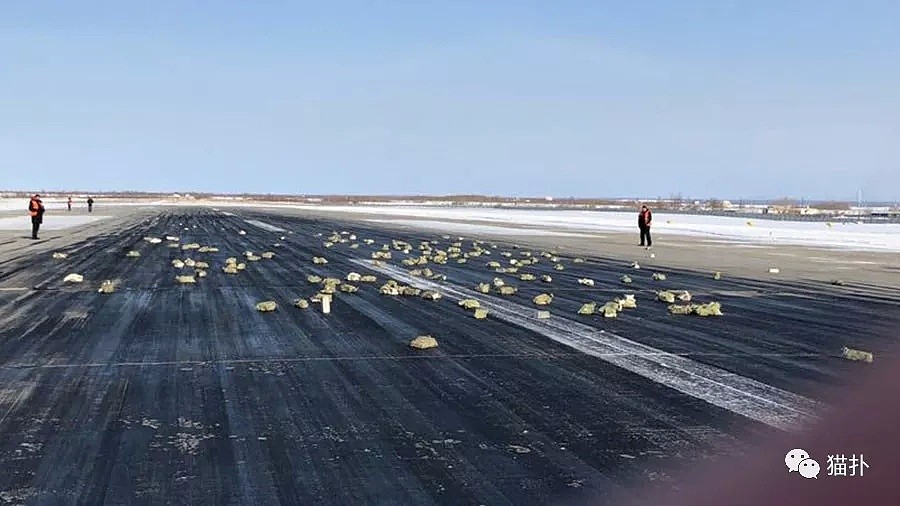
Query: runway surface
[{"x": 162, "y": 393}]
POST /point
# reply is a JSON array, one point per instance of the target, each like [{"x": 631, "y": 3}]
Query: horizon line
[{"x": 674, "y": 197}]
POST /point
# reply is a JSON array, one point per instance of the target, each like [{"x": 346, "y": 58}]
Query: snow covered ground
[
  {"x": 470, "y": 228},
  {"x": 22, "y": 204},
  {"x": 59, "y": 222},
  {"x": 749, "y": 233},
  {"x": 850, "y": 236}
]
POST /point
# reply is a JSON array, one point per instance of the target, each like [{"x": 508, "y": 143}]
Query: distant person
[
  {"x": 90, "y": 204},
  {"x": 644, "y": 219},
  {"x": 69, "y": 203},
  {"x": 36, "y": 210}
]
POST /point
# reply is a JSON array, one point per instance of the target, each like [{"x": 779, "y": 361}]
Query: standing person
[
  {"x": 644, "y": 219},
  {"x": 90, "y": 204},
  {"x": 36, "y": 210},
  {"x": 69, "y": 203}
]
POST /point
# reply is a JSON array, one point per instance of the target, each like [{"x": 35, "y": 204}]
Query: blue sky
[{"x": 717, "y": 99}]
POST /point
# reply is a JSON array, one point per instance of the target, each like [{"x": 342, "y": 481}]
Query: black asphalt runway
[{"x": 162, "y": 393}]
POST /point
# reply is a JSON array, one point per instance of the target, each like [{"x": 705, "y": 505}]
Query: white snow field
[
  {"x": 22, "y": 204},
  {"x": 56, "y": 222},
  {"x": 470, "y": 228},
  {"x": 752, "y": 232},
  {"x": 715, "y": 229}
]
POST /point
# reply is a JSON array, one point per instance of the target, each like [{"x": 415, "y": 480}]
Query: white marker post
[{"x": 326, "y": 303}]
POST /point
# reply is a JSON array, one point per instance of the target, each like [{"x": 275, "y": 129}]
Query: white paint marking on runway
[
  {"x": 738, "y": 394},
  {"x": 265, "y": 226},
  {"x": 823, "y": 260}
]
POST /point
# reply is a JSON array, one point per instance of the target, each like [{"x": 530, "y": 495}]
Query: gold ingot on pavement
[
  {"x": 666, "y": 296},
  {"x": 266, "y": 306},
  {"x": 543, "y": 299},
  {"x": 107, "y": 286},
  {"x": 610, "y": 309},
  {"x": 470, "y": 304},
  {"x": 857, "y": 355},
  {"x": 588, "y": 308},
  {"x": 423, "y": 343},
  {"x": 681, "y": 309},
  {"x": 708, "y": 309}
]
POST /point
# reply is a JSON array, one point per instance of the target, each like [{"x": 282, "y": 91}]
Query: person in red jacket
[
  {"x": 644, "y": 219},
  {"x": 36, "y": 211}
]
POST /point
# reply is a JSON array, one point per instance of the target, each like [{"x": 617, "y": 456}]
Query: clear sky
[{"x": 715, "y": 98}]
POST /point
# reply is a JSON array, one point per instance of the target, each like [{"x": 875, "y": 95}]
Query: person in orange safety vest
[
  {"x": 644, "y": 220},
  {"x": 36, "y": 211}
]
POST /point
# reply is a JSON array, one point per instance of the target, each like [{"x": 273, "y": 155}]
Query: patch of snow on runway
[{"x": 265, "y": 226}]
